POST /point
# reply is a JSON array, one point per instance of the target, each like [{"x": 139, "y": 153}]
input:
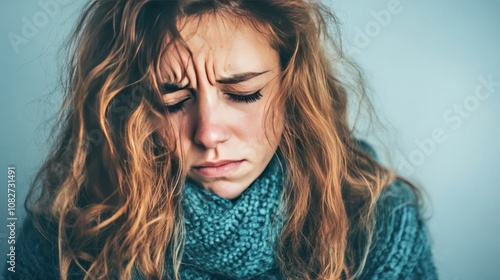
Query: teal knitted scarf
[
  {"x": 236, "y": 239},
  {"x": 233, "y": 239}
]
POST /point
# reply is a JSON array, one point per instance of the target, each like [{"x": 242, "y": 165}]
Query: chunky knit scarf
[{"x": 233, "y": 238}]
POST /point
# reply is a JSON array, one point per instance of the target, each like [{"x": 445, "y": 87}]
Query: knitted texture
[
  {"x": 400, "y": 247},
  {"x": 233, "y": 238}
]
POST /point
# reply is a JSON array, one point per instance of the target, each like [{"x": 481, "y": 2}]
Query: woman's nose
[{"x": 211, "y": 124}]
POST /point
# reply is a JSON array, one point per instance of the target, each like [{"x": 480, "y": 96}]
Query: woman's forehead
[{"x": 219, "y": 45}]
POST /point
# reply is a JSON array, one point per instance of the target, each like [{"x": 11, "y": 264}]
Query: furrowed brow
[{"x": 241, "y": 77}]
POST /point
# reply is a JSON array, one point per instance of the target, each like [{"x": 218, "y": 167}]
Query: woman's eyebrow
[
  {"x": 241, "y": 77},
  {"x": 172, "y": 87},
  {"x": 234, "y": 79}
]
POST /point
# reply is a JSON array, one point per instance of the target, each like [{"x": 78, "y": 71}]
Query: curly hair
[{"x": 113, "y": 186}]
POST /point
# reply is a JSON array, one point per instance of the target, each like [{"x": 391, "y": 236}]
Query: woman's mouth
[{"x": 218, "y": 168}]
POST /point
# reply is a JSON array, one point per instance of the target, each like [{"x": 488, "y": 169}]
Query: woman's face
[{"x": 218, "y": 107}]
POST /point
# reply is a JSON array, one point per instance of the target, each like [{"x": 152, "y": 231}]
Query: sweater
[{"x": 400, "y": 246}]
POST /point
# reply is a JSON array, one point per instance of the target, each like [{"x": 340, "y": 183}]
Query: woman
[{"x": 208, "y": 139}]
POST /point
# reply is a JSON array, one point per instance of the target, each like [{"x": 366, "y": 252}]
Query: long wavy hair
[{"x": 113, "y": 187}]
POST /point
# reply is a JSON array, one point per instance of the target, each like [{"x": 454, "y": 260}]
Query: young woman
[{"x": 209, "y": 139}]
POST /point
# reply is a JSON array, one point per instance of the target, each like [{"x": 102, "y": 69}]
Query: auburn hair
[{"x": 113, "y": 187}]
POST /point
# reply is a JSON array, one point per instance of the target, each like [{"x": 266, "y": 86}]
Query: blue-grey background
[{"x": 424, "y": 60}]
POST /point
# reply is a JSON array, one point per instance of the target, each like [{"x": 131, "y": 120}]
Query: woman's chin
[{"x": 227, "y": 190}]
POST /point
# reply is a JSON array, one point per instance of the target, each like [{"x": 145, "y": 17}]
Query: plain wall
[{"x": 427, "y": 62}]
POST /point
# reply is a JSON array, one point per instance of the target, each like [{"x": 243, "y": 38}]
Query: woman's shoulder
[
  {"x": 399, "y": 195},
  {"x": 400, "y": 246},
  {"x": 36, "y": 252}
]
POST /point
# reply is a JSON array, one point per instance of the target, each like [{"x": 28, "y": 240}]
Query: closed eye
[
  {"x": 177, "y": 107},
  {"x": 249, "y": 98},
  {"x": 238, "y": 98}
]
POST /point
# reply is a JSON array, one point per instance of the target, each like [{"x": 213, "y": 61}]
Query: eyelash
[{"x": 250, "y": 98}]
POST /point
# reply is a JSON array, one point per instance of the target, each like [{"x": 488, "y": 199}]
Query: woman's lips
[{"x": 217, "y": 169}]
